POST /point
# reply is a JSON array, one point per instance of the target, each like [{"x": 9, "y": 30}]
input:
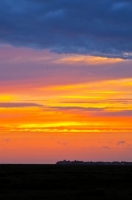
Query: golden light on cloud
[
  {"x": 111, "y": 95},
  {"x": 91, "y": 60}
]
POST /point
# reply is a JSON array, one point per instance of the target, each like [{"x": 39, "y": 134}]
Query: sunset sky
[{"x": 65, "y": 80}]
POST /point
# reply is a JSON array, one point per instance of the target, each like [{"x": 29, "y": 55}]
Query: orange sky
[{"x": 43, "y": 122}]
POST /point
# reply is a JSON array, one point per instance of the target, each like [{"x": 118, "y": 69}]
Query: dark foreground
[{"x": 65, "y": 182}]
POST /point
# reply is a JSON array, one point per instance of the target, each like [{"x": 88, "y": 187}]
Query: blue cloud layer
[{"x": 92, "y": 27}]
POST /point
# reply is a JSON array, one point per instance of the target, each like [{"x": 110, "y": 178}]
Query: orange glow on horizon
[{"x": 87, "y": 120}]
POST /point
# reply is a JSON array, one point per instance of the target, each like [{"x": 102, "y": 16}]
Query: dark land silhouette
[
  {"x": 66, "y": 182},
  {"x": 77, "y": 162}
]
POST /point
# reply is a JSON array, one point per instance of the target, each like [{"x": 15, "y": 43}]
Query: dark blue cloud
[{"x": 92, "y": 27}]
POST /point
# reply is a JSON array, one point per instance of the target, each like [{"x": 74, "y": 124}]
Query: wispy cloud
[
  {"x": 122, "y": 142},
  {"x": 6, "y": 140},
  {"x": 18, "y": 105},
  {"x": 106, "y": 147}
]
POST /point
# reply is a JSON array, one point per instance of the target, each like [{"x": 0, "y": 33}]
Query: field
[{"x": 65, "y": 182}]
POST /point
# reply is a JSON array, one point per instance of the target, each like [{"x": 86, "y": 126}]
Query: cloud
[
  {"x": 99, "y": 28},
  {"x": 22, "y": 64},
  {"x": 76, "y": 108},
  {"x": 118, "y": 112},
  {"x": 62, "y": 143},
  {"x": 6, "y": 140},
  {"x": 120, "y": 143},
  {"x": 106, "y": 147},
  {"x": 18, "y": 105},
  {"x": 106, "y": 111},
  {"x": 124, "y": 144}
]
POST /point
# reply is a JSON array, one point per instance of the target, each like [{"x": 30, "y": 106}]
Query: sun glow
[{"x": 5, "y": 98}]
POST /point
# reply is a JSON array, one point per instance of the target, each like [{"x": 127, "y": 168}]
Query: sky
[{"x": 65, "y": 80}]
